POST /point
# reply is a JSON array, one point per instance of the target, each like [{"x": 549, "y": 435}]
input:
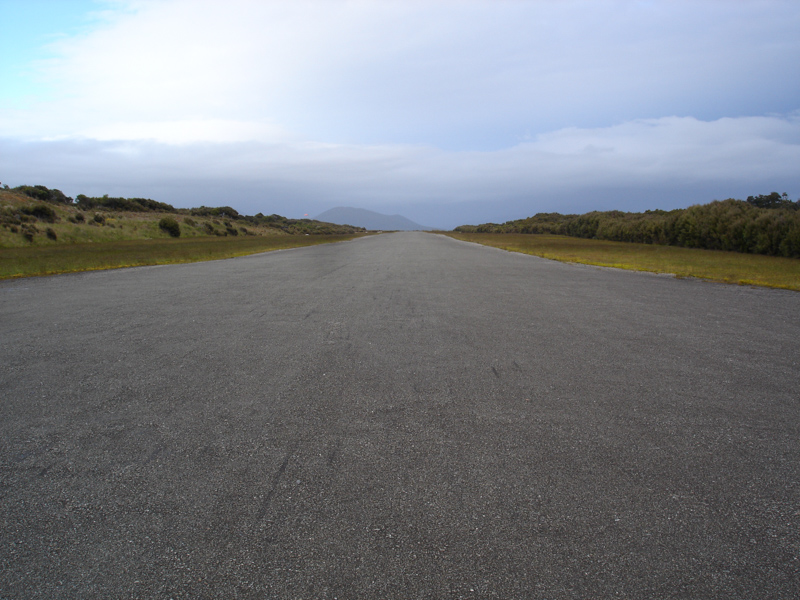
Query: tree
[{"x": 773, "y": 200}]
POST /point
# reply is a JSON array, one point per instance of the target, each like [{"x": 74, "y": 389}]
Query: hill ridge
[{"x": 369, "y": 219}]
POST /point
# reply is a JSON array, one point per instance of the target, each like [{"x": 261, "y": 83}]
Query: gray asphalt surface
[{"x": 402, "y": 416}]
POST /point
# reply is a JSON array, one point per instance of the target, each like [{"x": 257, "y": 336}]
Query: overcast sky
[{"x": 448, "y": 112}]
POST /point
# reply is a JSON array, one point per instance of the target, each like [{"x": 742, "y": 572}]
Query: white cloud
[
  {"x": 660, "y": 149},
  {"x": 461, "y": 75},
  {"x": 189, "y": 131}
]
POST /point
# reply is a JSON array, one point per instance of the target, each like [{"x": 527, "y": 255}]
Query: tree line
[{"x": 764, "y": 224}]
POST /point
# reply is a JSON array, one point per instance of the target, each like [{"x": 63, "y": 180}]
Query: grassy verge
[
  {"x": 26, "y": 222},
  {"x": 69, "y": 258},
  {"x": 728, "y": 267}
]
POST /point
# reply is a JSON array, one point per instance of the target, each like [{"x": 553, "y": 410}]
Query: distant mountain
[{"x": 361, "y": 217}]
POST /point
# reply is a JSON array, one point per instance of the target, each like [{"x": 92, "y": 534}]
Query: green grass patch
[
  {"x": 68, "y": 258},
  {"x": 714, "y": 265}
]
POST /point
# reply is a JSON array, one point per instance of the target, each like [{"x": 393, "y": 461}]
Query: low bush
[
  {"x": 171, "y": 226},
  {"x": 41, "y": 192},
  {"x": 43, "y": 212},
  {"x": 219, "y": 211},
  {"x": 29, "y": 230},
  {"x": 123, "y": 204}
]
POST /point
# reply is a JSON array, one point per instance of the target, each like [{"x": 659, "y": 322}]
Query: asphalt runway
[{"x": 399, "y": 416}]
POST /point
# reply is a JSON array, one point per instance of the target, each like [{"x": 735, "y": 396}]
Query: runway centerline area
[{"x": 397, "y": 416}]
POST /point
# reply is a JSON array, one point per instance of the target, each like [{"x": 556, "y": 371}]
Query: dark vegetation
[
  {"x": 40, "y": 192},
  {"x": 121, "y": 204},
  {"x": 171, "y": 226},
  {"x": 52, "y": 206},
  {"x": 765, "y": 224}
]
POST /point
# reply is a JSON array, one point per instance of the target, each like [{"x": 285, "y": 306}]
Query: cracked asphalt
[{"x": 399, "y": 416}]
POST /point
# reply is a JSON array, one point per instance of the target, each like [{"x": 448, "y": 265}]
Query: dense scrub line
[{"x": 766, "y": 224}]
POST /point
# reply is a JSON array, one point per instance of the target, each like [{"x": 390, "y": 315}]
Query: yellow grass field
[
  {"x": 68, "y": 258},
  {"x": 714, "y": 265}
]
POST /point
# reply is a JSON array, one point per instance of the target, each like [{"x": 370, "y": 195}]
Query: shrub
[
  {"x": 123, "y": 204},
  {"x": 98, "y": 218},
  {"x": 51, "y": 234},
  {"x": 43, "y": 212},
  {"x": 189, "y": 221},
  {"x": 221, "y": 211},
  {"x": 209, "y": 228},
  {"x": 41, "y": 192},
  {"x": 28, "y": 231},
  {"x": 80, "y": 218},
  {"x": 171, "y": 226},
  {"x": 10, "y": 217}
]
